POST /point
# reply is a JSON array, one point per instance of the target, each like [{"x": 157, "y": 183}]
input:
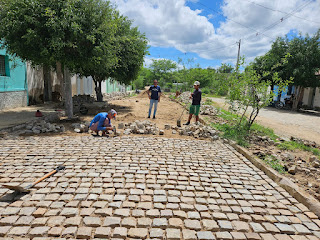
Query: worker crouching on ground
[
  {"x": 196, "y": 100},
  {"x": 102, "y": 122}
]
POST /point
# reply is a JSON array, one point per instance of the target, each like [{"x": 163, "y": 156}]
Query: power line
[
  {"x": 288, "y": 15},
  {"x": 198, "y": 3},
  {"x": 275, "y": 10}
]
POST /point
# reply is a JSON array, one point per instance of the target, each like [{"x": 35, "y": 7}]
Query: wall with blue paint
[{"x": 13, "y": 86}]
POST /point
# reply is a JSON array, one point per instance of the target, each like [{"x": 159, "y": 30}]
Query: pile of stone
[
  {"x": 208, "y": 110},
  {"x": 43, "y": 126},
  {"x": 82, "y": 99},
  {"x": 81, "y": 127},
  {"x": 184, "y": 97},
  {"x": 115, "y": 96},
  {"x": 140, "y": 127},
  {"x": 198, "y": 131}
]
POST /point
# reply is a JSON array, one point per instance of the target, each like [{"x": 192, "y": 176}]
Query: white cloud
[{"x": 170, "y": 23}]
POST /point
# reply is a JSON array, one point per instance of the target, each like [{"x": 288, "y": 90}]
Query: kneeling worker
[{"x": 102, "y": 121}]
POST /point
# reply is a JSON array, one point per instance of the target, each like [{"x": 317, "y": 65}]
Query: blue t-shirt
[
  {"x": 155, "y": 90},
  {"x": 100, "y": 117}
]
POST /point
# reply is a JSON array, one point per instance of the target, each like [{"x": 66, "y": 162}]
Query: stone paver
[{"x": 132, "y": 188}]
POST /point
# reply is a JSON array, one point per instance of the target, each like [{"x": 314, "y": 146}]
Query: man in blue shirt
[
  {"x": 154, "y": 94},
  {"x": 102, "y": 121}
]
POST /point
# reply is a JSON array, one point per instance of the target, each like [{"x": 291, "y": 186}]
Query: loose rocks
[
  {"x": 43, "y": 126},
  {"x": 140, "y": 127},
  {"x": 81, "y": 127},
  {"x": 199, "y": 130}
]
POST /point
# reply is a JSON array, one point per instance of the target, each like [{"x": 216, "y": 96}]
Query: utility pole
[{"x": 239, "y": 43}]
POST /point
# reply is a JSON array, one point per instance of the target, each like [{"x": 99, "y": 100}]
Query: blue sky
[{"x": 208, "y": 30}]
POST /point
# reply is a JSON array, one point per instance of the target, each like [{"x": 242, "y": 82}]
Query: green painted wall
[
  {"x": 113, "y": 86},
  {"x": 15, "y": 79}
]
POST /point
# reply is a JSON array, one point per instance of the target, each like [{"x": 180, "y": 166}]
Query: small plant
[
  {"x": 208, "y": 102},
  {"x": 274, "y": 163}
]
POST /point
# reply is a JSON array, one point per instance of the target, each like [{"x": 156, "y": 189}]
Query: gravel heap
[
  {"x": 81, "y": 99},
  {"x": 208, "y": 110},
  {"x": 81, "y": 127},
  {"x": 198, "y": 131},
  {"x": 140, "y": 127},
  {"x": 43, "y": 126},
  {"x": 184, "y": 97},
  {"x": 115, "y": 96}
]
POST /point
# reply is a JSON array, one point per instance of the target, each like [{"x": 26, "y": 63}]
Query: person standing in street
[
  {"x": 154, "y": 94},
  {"x": 196, "y": 100}
]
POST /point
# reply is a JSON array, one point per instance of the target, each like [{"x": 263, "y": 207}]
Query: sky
[{"x": 208, "y": 31}]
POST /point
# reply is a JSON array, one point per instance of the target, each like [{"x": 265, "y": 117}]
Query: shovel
[
  {"x": 179, "y": 121},
  {"x": 26, "y": 189}
]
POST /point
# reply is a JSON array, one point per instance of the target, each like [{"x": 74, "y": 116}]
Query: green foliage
[
  {"x": 274, "y": 163},
  {"x": 247, "y": 93},
  {"x": 162, "y": 70},
  {"x": 301, "y": 66},
  {"x": 233, "y": 132},
  {"x": 139, "y": 83},
  {"x": 263, "y": 131},
  {"x": 208, "y": 101},
  {"x": 293, "y": 145}
]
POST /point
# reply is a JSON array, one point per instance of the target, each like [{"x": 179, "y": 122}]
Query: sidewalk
[{"x": 17, "y": 116}]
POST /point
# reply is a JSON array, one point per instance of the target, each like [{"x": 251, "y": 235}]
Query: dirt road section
[
  {"x": 136, "y": 108},
  {"x": 286, "y": 123}
]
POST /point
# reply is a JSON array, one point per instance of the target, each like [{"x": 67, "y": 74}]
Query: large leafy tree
[
  {"x": 117, "y": 49},
  {"x": 302, "y": 65},
  {"x": 47, "y": 32},
  {"x": 162, "y": 69}
]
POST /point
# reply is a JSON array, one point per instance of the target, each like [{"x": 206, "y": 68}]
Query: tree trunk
[
  {"x": 68, "y": 93},
  {"x": 47, "y": 91},
  {"x": 98, "y": 90},
  {"x": 297, "y": 97},
  {"x": 60, "y": 80}
]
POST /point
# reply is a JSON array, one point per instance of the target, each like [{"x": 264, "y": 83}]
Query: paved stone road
[{"x": 140, "y": 188}]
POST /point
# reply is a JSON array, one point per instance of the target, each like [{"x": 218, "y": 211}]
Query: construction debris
[
  {"x": 208, "y": 110},
  {"x": 43, "y": 126},
  {"x": 81, "y": 127},
  {"x": 140, "y": 127},
  {"x": 199, "y": 130}
]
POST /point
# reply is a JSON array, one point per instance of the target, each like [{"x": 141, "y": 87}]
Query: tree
[
  {"x": 43, "y": 32},
  {"x": 301, "y": 66},
  {"x": 248, "y": 93},
  {"x": 116, "y": 50},
  {"x": 161, "y": 69}
]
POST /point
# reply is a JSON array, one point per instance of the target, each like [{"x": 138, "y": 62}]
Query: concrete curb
[{"x": 284, "y": 182}]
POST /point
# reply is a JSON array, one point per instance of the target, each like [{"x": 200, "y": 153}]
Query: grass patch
[
  {"x": 274, "y": 163},
  {"x": 263, "y": 131},
  {"x": 292, "y": 145},
  {"x": 234, "y": 133},
  {"x": 211, "y": 95},
  {"x": 208, "y": 101}
]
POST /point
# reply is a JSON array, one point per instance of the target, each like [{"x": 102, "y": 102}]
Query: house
[
  {"x": 80, "y": 85},
  {"x": 13, "y": 82}
]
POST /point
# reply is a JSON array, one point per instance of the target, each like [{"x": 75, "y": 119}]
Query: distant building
[{"x": 13, "y": 82}]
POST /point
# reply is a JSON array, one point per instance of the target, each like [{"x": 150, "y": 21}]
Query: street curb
[{"x": 284, "y": 182}]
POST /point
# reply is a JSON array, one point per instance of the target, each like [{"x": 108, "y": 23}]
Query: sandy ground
[
  {"x": 137, "y": 108},
  {"x": 21, "y": 115},
  {"x": 287, "y": 123}
]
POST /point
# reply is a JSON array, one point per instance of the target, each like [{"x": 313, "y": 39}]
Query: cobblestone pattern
[{"x": 144, "y": 188}]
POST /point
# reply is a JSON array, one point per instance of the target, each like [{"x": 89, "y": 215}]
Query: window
[{"x": 2, "y": 65}]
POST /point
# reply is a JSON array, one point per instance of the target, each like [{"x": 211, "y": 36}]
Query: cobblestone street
[{"x": 141, "y": 188}]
